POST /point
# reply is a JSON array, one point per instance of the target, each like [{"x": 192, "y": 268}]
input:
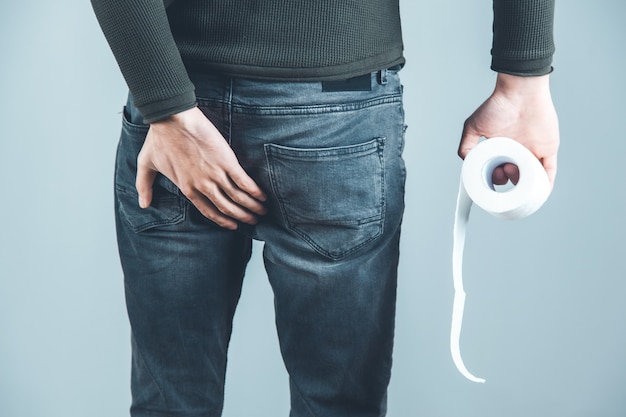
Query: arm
[
  {"x": 140, "y": 38},
  {"x": 521, "y": 105},
  {"x": 181, "y": 143}
]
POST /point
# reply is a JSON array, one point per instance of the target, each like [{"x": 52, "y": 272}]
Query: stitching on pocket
[
  {"x": 333, "y": 198},
  {"x": 164, "y": 210}
]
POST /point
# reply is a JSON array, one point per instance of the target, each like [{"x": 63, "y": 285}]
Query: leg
[
  {"x": 332, "y": 163},
  {"x": 183, "y": 279}
]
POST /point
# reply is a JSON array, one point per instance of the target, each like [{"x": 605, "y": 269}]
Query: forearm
[
  {"x": 523, "y": 42},
  {"x": 140, "y": 38}
]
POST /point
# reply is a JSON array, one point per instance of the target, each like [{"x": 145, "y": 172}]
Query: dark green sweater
[{"x": 157, "y": 44}]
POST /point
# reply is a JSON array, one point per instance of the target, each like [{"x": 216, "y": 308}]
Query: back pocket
[
  {"x": 333, "y": 198},
  {"x": 167, "y": 207}
]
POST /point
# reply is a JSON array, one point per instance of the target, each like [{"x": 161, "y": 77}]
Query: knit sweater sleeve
[
  {"x": 140, "y": 38},
  {"x": 523, "y": 42}
]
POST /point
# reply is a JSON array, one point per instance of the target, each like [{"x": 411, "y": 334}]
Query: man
[{"x": 282, "y": 121}]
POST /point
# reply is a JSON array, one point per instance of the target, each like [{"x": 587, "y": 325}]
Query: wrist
[{"x": 518, "y": 87}]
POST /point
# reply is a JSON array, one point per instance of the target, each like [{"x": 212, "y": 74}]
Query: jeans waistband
[{"x": 358, "y": 83}]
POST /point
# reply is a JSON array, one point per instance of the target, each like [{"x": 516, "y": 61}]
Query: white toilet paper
[{"x": 531, "y": 191}]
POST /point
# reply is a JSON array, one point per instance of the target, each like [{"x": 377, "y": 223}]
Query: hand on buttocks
[{"x": 189, "y": 150}]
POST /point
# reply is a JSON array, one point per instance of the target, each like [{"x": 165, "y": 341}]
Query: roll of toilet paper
[{"x": 531, "y": 191}]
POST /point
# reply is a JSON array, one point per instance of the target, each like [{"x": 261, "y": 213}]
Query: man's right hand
[{"x": 191, "y": 152}]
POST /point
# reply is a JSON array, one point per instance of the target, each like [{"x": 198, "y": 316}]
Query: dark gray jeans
[{"x": 331, "y": 164}]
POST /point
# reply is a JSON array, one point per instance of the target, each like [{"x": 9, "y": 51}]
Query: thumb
[
  {"x": 549, "y": 164},
  {"x": 146, "y": 175},
  {"x": 469, "y": 139}
]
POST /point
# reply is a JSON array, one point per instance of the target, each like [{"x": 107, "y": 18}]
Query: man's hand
[
  {"x": 191, "y": 152},
  {"x": 520, "y": 108}
]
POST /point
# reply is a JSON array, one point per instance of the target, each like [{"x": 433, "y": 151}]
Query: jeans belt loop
[{"x": 382, "y": 76}]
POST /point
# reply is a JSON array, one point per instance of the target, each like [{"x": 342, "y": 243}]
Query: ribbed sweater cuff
[
  {"x": 160, "y": 110},
  {"x": 523, "y": 42},
  {"x": 522, "y": 68}
]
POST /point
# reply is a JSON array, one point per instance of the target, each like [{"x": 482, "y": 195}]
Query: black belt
[{"x": 358, "y": 83}]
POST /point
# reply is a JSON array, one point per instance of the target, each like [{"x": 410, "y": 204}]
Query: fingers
[
  {"x": 235, "y": 195},
  {"x": 220, "y": 208},
  {"x": 504, "y": 173},
  {"x": 246, "y": 184},
  {"x": 220, "y": 200},
  {"x": 208, "y": 210},
  {"x": 511, "y": 172},
  {"x": 498, "y": 177},
  {"x": 238, "y": 198}
]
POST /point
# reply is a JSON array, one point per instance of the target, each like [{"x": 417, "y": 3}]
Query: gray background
[{"x": 545, "y": 318}]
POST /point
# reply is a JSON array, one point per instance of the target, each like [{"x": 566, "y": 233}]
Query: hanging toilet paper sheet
[{"x": 531, "y": 191}]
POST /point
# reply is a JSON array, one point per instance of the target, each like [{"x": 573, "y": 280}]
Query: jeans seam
[
  {"x": 149, "y": 371},
  {"x": 229, "y": 110},
  {"x": 295, "y": 110},
  {"x": 302, "y": 398}
]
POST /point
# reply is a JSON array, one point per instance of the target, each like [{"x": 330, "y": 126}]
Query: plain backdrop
[{"x": 545, "y": 317}]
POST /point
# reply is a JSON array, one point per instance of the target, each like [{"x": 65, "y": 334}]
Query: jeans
[{"x": 331, "y": 165}]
